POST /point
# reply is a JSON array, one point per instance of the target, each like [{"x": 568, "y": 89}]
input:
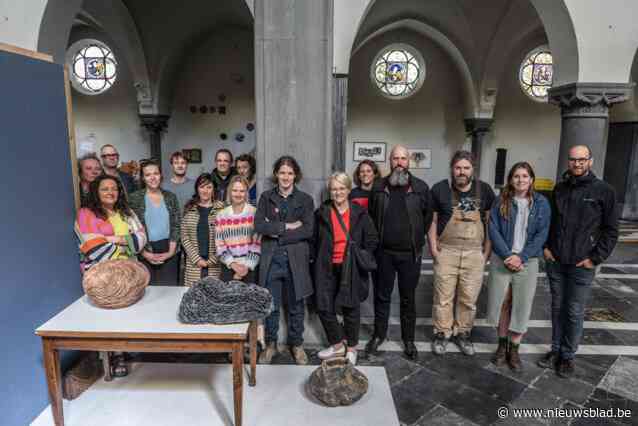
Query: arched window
[
  {"x": 536, "y": 73},
  {"x": 92, "y": 65},
  {"x": 398, "y": 71}
]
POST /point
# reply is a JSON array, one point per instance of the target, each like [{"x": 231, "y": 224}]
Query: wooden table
[{"x": 150, "y": 325}]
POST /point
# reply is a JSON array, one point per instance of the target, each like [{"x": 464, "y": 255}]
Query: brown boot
[
  {"x": 513, "y": 359},
  {"x": 299, "y": 355},
  {"x": 500, "y": 356}
]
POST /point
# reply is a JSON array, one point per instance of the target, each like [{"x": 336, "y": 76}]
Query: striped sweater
[
  {"x": 91, "y": 232},
  {"x": 235, "y": 237}
]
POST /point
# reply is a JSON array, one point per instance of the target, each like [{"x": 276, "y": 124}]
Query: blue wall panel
[{"x": 38, "y": 255}]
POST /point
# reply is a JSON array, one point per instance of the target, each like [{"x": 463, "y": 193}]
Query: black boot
[{"x": 513, "y": 359}]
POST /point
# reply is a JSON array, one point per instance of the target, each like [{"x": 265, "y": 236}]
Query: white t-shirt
[{"x": 520, "y": 227}]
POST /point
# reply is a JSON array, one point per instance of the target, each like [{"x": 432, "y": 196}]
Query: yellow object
[
  {"x": 543, "y": 184},
  {"x": 120, "y": 228}
]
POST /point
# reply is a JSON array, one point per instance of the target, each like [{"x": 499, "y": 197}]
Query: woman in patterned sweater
[
  {"x": 198, "y": 232},
  {"x": 238, "y": 245}
]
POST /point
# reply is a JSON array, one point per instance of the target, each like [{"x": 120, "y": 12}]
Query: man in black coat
[
  {"x": 401, "y": 209},
  {"x": 582, "y": 234}
]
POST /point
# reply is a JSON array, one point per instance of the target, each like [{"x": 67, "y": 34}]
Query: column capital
[
  {"x": 589, "y": 99},
  {"x": 478, "y": 125},
  {"x": 154, "y": 122}
]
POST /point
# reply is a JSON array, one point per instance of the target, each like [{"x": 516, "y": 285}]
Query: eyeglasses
[{"x": 579, "y": 160}]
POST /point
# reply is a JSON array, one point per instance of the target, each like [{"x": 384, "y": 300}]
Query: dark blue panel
[{"x": 38, "y": 254}]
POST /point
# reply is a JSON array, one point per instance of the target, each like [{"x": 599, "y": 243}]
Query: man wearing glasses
[
  {"x": 110, "y": 159},
  {"x": 582, "y": 234}
]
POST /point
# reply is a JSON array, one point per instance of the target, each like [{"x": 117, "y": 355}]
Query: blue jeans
[
  {"x": 282, "y": 287},
  {"x": 570, "y": 287}
]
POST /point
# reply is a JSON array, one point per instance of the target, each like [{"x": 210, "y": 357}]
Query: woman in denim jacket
[{"x": 518, "y": 228}]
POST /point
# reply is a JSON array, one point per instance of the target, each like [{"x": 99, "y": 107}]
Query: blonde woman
[{"x": 238, "y": 245}]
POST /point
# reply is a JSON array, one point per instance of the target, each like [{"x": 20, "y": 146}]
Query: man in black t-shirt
[
  {"x": 401, "y": 209},
  {"x": 460, "y": 246}
]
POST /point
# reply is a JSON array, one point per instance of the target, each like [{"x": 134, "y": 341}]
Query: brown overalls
[{"x": 458, "y": 269}]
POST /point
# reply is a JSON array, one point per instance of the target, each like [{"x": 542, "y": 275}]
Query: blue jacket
[{"x": 502, "y": 231}]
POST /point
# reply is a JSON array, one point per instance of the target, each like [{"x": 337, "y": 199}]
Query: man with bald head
[
  {"x": 582, "y": 234},
  {"x": 400, "y": 206}
]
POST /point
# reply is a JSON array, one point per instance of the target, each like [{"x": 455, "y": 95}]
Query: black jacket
[
  {"x": 584, "y": 220},
  {"x": 296, "y": 242},
  {"x": 363, "y": 234},
  {"x": 419, "y": 206},
  {"x": 221, "y": 185}
]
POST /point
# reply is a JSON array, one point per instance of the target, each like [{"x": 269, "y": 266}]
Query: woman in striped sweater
[
  {"x": 238, "y": 245},
  {"x": 198, "y": 232}
]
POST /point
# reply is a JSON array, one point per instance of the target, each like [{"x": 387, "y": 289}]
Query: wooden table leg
[
  {"x": 106, "y": 364},
  {"x": 252, "y": 338},
  {"x": 54, "y": 379},
  {"x": 238, "y": 379}
]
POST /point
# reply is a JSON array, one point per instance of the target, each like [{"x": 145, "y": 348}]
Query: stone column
[
  {"x": 293, "y": 88},
  {"x": 585, "y": 118},
  {"x": 155, "y": 124},
  {"x": 478, "y": 128},
  {"x": 340, "y": 119}
]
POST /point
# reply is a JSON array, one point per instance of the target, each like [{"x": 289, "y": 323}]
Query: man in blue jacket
[{"x": 582, "y": 234}]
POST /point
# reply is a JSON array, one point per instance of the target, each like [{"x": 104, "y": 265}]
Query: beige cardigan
[{"x": 192, "y": 272}]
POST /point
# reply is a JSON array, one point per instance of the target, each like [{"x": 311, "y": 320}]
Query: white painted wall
[
  {"x": 347, "y": 18},
  {"x": 111, "y": 117},
  {"x": 207, "y": 72},
  {"x": 530, "y": 131},
  {"x": 20, "y": 22},
  {"x": 432, "y": 118}
]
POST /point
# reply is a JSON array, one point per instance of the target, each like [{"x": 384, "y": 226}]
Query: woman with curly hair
[
  {"x": 108, "y": 229},
  {"x": 364, "y": 175}
]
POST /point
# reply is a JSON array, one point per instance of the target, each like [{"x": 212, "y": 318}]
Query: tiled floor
[{"x": 460, "y": 390}]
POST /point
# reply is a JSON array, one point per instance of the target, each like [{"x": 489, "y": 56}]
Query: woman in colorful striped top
[
  {"x": 238, "y": 245},
  {"x": 107, "y": 228}
]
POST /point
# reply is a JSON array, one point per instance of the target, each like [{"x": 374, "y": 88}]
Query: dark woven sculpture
[
  {"x": 114, "y": 284},
  {"x": 336, "y": 382},
  {"x": 216, "y": 302}
]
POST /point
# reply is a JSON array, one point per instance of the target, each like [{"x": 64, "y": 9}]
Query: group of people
[{"x": 373, "y": 233}]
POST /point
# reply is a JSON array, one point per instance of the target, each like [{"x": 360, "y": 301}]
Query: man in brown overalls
[{"x": 460, "y": 247}]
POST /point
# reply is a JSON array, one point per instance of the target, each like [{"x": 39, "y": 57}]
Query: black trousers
[
  {"x": 335, "y": 331},
  {"x": 408, "y": 271},
  {"x": 166, "y": 274}
]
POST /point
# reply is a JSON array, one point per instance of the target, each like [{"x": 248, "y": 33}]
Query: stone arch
[{"x": 471, "y": 105}]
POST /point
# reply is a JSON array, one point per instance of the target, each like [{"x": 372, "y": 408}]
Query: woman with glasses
[
  {"x": 339, "y": 282},
  {"x": 159, "y": 212},
  {"x": 198, "y": 232}
]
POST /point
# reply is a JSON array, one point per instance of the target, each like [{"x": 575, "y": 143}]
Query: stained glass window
[
  {"x": 536, "y": 74},
  {"x": 398, "y": 71},
  {"x": 93, "y": 67}
]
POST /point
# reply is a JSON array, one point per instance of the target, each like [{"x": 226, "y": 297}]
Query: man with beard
[
  {"x": 222, "y": 173},
  {"x": 582, "y": 234},
  {"x": 400, "y": 206},
  {"x": 110, "y": 160},
  {"x": 180, "y": 184},
  {"x": 460, "y": 246}
]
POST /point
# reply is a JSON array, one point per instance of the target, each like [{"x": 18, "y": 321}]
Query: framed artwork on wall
[
  {"x": 193, "y": 155},
  {"x": 420, "y": 158},
  {"x": 374, "y": 151}
]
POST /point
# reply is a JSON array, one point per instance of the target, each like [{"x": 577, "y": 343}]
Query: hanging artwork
[
  {"x": 420, "y": 158},
  {"x": 374, "y": 151},
  {"x": 193, "y": 155}
]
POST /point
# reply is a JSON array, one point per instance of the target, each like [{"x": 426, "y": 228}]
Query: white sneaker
[
  {"x": 352, "y": 357},
  {"x": 331, "y": 352}
]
